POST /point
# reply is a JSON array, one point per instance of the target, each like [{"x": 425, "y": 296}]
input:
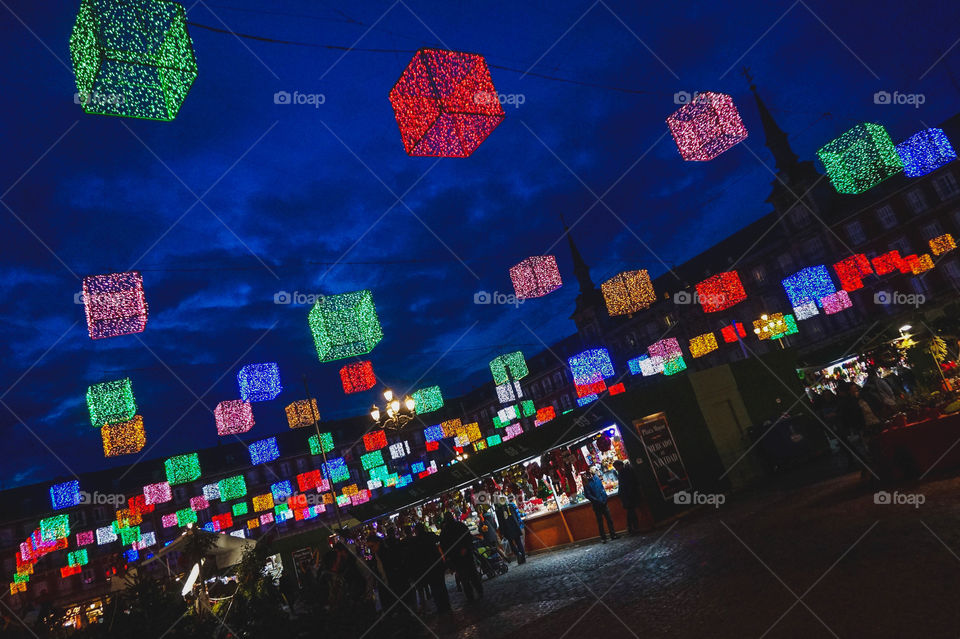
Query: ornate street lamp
[{"x": 397, "y": 413}]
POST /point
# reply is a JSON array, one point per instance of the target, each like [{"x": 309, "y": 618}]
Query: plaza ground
[{"x": 818, "y": 560}]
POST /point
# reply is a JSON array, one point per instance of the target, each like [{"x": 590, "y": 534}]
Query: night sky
[{"x": 298, "y": 198}]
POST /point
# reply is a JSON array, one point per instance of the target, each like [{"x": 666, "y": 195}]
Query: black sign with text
[{"x": 662, "y": 453}]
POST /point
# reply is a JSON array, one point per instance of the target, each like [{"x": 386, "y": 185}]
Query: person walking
[
  {"x": 628, "y": 490},
  {"x": 457, "y": 545},
  {"x": 511, "y": 527},
  {"x": 428, "y": 567},
  {"x": 594, "y": 491}
]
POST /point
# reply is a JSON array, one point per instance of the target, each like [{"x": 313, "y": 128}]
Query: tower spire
[
  {"x": 580, "y": 268},
  {"x": 783, "y": 156}
]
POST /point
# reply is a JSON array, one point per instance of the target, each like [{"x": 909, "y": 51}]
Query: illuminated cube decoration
[
  {"x": 68, "y": 571},
  {"x": 114, "y": 304},
  {"x": 511, "y": 366},
  {"x": 544, "y": 415},
  {"x": 707, "y": 126},
  {"x": 527, "y": 408},
  {"x": 182, "y": 469},
  {"x": 65, "y": 495},
  {"x": 85, "y": 538},
  {"x": 674, "y": 366},
  {"x": 494, "y": 440},
  {"x": 56, "y": 527},
  {"x": 925, "y": 151},
  {"x": 370, "y": 460},
  {"x": 920, "y": 264},
  {"x": 357, "y": 377},
  {"x": 732, "y": 332},
  {"x": 322, "y": 444},
  {"x": 628, "y": 292},
  {"x": 399, "y": 450},
  {"x": 222, "y": 522},
  {"x": 860, "y": 159},
  {"x": 590, "y": 366},
  {"x": 159, "y": 493},
  {"x": 302, "y": 413},
  {"x": 888, "y": 263},
  {"x": 616, "y": 389},
  {"x": 379, "y": 473},
  {"x": 942, "y": 244},
  {"x": 186, "y": 516},
  {"x": 336, "y": 470},
  {"x": 77, "y": 558},
  {"x": 345, "y": 325},
  {"x": 211, "y": 492},
  {"x": 665, "y": 349},
  {"x": 105, "y": 535},
  {"x": 535, "y": 277},
  {"x": 473, "y": 432},
  {"x": 721, "y": 291},
  {"x": 111, "y": 402},
  {"x": 509, "y": 392},
  {"x": 428, "y": 399},
  {"x": 240, "y": 508},
  {"x": 259, "y": 382},
  {"x": 807, "y": 310},
  {"x": 703, "y": 344},
  {"x": 375, "y": 440},
  {"x": 253, "y": 523},
  {"x": 851, "y": 271},
  {"x": 263, "y": 451},
  {"x": 168, "y": 521},
  {"x": 262, "y": 502},
  {"x": 809, "y": 285},
  {"x": 650, "y": 366},
  {"x": 591, "y": 389},
  {"x": 131, "y": 534},
  {"x": 445, "y": 104},
  {"x": 417, "y": 467},
  {"x": 836, "y": 302},
  {"x": 233, "y": 416},
  {"x": 132, "y": 58},
  {"x": 450, "y": 427},
  {"x": 583, "y": 401},
  {"x": 232, "y": 487},
  {"x": 123, "y": 438},
  {"x": 199, "y": 503},
  {"x": 770, "y": 326},
  {"x": 433, "y": 433}
]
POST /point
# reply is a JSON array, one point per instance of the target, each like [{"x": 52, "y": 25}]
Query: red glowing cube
[
  {"x": 729, "y": 335},
  {"x": 850, "y": 271},
  {"x": 707, "y": 126},
  {"x": 720, "y": 292},
  {"x": 544, "y": 415},
  {"x": 445, "y": 104},
  {"x": 357, "y": 377},
  {"x": 433, "y": 445},
  {"x": 591, "y": 389},
  {"x": 616, "y": 389},
  {"x": 375, "y": 440},
  {"x": 535, "y": 277},
  {"x": 114, "y": 304},
  {"x": 309, "y": 480},
  {"x": 222, "y": 522},
  {"x": 889, "y": 262}
]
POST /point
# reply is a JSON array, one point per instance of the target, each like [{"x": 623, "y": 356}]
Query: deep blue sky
[{"x": 293, "y": 189}]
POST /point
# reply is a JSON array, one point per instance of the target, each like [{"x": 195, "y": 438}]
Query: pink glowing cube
[
  {"x": 199, "y": 503},
  {"x": 535, "y": 276},
  {"x": 168, "y": 521},
  {"x": 157, "y": 493},
  {"x": 836, "y": 302},
  {"x": 114, "y": 304},
  {"x": 233, "y": 416},
  {"x": 707, "y": 126}
]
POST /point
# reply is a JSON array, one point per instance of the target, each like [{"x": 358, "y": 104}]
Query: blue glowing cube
[
  {"x": 925, "y": 151},
  {"x": 263, "y": 451},
  {"x": 809, "y": 285},
  {"x": 591, "y": 366},
  {"x": 282, "y": 490},
  {"x": 259, "y": 382},
  {"x": 65, "y": 495}
]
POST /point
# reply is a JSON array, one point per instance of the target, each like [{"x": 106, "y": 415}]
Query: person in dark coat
[
  {"x": 850, "y": 420},
  {"x": 457, "y": 545},
  {"x": 628, "y": 490},
  {"x": 594, "y": 491},
  {"x": 427, "y": 563},
  {"x": 511, "y": 528}
]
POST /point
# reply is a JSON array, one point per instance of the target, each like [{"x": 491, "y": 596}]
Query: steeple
[
  {"x": 580, "y": 268},
  {"x": 783, "y": 156}
]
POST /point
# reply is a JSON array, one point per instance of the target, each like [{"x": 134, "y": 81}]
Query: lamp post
[
  {"x": 323, "y": 451},
  {"x": 397, "y": 413}
]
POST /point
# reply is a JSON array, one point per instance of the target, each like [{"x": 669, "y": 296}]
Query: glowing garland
[
  {"x": 721, "y": 291},
  {"x": 703, "y": 344},
  {"x": 123, "y": 438},
  {"x": 114, "y": 304},
  {"x": 851, "y": 271},
  {"x": 345, "y": 325},
  {"x": 65, "y": 495},
  {"x": 259, "y": 382},
  {"x": 809, "y": 284},
  {"x": 357, "y": 377},
  {"x": 111, "y": 402},
  {"x": 315, "y": 443},
  {"x": 628, "y": 292},
  {"x": 707, "y": 126},
  {"x": 535, "y": 277},
  {"x": 942, "y": 244},
  {"x": 590, "y": 366},
  {"x": 182, "y": 469},
  {"x": 428, "y": 399},
  {"x": 445, "y": 103},
  {"x": 233, "y": 417},
  {"x": 511, "y": 366},
  {"x": 860, "y": 159},
  {"x": 925, "y": 152}
]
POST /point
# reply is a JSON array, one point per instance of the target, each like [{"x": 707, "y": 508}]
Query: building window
[
  {"x": 946, "y": 186},
  {"x": 558, "y": 379},
  {"x": 547, "y": 386},
  {"x": 918, "y": 285},
  {"x": 565, "y": 402},
  {"x": 759, "y": 274},
  {"x": 813, "y": 247},
  {"x": 953, "y": 270},
  {"x": 886, "y": 217},
  {"x": 301, "y": 464},
  {"x": 799, "y": 215},
  {"x": 855, "y": 233},
  {"x": 901, "y": 244},
  {"x": 916, "y": 200},
  {"x": 932, "y": 230}
]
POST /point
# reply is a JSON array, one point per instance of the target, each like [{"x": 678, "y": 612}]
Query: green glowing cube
[
  {"x": 527, "y": 409},
  {"x": 78, "y": 558},
  {"x": 111, "y": 402},
  {"x": 186, "y": 516},
  {"x": 325, "y": 438},
  {"x": 240, "y": 508},
  {"x": 428, "y": 399},
  {"x": 509, "y": 367},
  {"x": 53, "y": 528},
  {"x": 182, "y": 469},
  {"x": 860, "y": 159},
  {"x": 132, "y": 58},
  {"x": 232, "y": 487},
  {"x": 379, "y": 472},
  {"x": 129, "y": 535},
  {"x": 345, "y": 325}
]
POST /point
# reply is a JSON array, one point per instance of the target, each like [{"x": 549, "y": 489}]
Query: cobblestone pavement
[{"x": 819, "y": 561}]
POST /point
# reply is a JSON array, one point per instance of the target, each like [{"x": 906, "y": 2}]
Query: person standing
[
  {"x": 428, "y": 567},
  {"x": 628, "y": 489},
  {"x": 457, "y": 545},
  {"x": 511, "y": 528},
  {"x": 594, "y": 491}
]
